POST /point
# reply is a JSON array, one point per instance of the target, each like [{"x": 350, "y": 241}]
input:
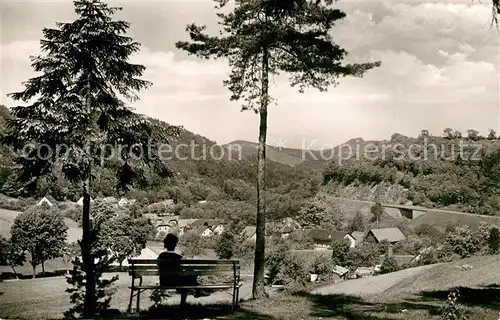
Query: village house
[
  {"x": 124, "y": 202},
  {"x": 249, "y": 233},
  {"x": 45, "y": 202},
  {"x": 165, "y": 225},
  {"x": 80, "y": 201},
  {"x": 393, "y": 235},
  {"x": 322, "y": 239},
  {"x": 340, "y": 235},
  {"x": 358, "y": 237},
  {"x": 288, "y": 226},
  {"x": 182, "y": 224},
  {"x": 206, "y": 227}
]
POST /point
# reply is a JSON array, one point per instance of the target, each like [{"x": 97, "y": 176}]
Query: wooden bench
[{"x": 139, "y": 268}]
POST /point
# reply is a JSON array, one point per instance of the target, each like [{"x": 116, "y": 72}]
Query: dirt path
[{"x": 371, "y": 285}]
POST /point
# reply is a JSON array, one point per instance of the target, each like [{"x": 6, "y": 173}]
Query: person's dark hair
[{"x": 170, "y": 241}]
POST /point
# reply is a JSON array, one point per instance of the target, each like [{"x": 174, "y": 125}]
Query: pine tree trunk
[
  {"x": 258, "y": 290},
  {"x": 15, "y": 273},
  {"x": 34, "y": 271},
  {"x": 88, "y": 262},
  {"x": 43, "y": 267}
]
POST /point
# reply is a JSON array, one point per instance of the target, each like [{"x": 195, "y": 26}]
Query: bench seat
[{"x": 230, "y": 269}]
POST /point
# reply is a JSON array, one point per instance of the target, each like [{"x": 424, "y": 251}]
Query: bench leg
[
  {"x": 132, "y": 289},
  {"x": 130, "y": 301},
  {"x": 184, "y": 294},
  {"x": 233, "y": 305},
  {"x": 137, "y": 308},
  {"x": 237, "y": 296}
]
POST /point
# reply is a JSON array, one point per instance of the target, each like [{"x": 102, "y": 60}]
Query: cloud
[{"x": 439, "y": 69}]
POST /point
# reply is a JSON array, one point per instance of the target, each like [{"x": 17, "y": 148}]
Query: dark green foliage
[
  {"x": 318, "y": 214},
  {"x": 494, "y": 240},
  {"x": 357, "y": 223},
  {"x": 430, "y": 232},
  {"x": 340, "y": 251},
  {"x": 452, "y": 310},
  {"x": 377, "y": 211},
  {"x": 472, "y": 178},
  {"x": 389, "y": 265},
  {"x": 10, "y": 254},
  {"x": 225, "y": 247},
  {"x": 192, "y": 245},
  {"x": 323, "y": 267},
  {"x": 366, "y": 254},
  {"x": 70, "y": 252},
  {"x": 103, "y": 220},
  {"x": 41, "y": 232},
  {"x": 286, "y": 269},
  {"x": 463, "y": 241},
  {"x": 75, "y": 110},
  {"x": 126, "y": 235}
]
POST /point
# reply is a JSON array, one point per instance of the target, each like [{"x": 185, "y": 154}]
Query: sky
[{"x": 440, "y": 68}]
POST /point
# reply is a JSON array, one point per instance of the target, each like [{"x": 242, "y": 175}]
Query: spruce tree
[
  {"x": 260, "y": 39},
  {"x": 76, "y": 109}
]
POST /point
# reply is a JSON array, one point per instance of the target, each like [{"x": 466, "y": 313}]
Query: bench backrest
[{"x": 142, "y": 267}]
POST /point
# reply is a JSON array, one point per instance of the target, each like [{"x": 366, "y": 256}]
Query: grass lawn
[{"x": 45, "y": 298}]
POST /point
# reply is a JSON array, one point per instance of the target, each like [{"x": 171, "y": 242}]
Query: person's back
[{"x": 168, "y": 262}]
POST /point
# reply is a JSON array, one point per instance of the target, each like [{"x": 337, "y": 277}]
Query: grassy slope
[{"x": 413, "y": 281}]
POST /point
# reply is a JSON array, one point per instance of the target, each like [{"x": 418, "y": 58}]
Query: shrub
[
  {"x": 225, "y": 246},
  {"x": 452, "y": 309},
  {"x": 389, "y": 265},
  {"x": 244, "y": 251},
  {"x": 463, "y": 241},
  {"x": 340, "y": 251},
  {"x": 323, "y": 267},
  {"x": 286, "y": 269},
  {"x": 494, "y": 240}
]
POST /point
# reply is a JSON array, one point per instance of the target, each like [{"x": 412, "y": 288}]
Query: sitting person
[{"x": 170, "y": 261}]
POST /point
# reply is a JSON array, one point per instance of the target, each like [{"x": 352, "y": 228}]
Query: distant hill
[
  {"x": 286, "y": 156},
  {"x": 405, "y": 169}
]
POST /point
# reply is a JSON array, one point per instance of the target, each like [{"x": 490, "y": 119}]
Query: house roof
[
  {"x": 199, "y": 230},
  {"x": 289, "y": 225},
  {"x": 110, "y": 200},
  {"x": 390, "y": 234},
  {"x": 338, "y": 235},
  {"x": 185, "y": 222},
  {"x": 207, "y": 222},
  {"x": 318, "y": 235},
  {"x": 45, "y": 200},
  {"x": 358, "y": 235},
  {"x": 248, "y": 232},
  {"x": 341, "y": 271}
]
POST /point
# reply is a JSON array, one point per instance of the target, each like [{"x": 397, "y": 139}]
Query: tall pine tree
[
  {"x": 260, "y": 39},
  {"x": 75, "y": 111}
]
